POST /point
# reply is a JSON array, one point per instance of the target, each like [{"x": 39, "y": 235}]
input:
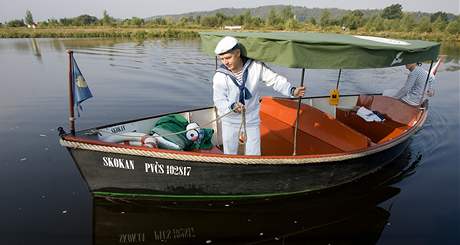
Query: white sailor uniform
[{"x": 228, "y": 90}]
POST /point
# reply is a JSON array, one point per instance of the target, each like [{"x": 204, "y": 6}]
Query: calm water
[{"x": 45, "y": 201}]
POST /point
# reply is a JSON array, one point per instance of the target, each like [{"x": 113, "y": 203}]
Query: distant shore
[{"x": 174, "y": 32}]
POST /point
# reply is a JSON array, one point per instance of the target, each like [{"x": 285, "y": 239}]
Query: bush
[{"x": 16, "y": 23}]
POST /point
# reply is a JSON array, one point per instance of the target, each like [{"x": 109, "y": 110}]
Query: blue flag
[{"x": 81, "y": 90}]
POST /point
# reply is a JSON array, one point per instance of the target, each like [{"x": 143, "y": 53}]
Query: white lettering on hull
[
  {"x": 158, "y": 168},
  {"x": 118, "y": 163},
  {"x": 132, "y": 238},
  {"x": 174, "y": 234}
]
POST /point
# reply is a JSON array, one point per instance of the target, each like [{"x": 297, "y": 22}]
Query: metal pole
[
  {"x": 426, "y": 83},
  {"x": 294, "y": 152},
  {"x": 216, "y": 62},
  {"x": 338, "y": 79},
  {"x": 71, "y": 99}
]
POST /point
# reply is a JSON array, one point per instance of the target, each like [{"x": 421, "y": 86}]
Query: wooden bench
[{"x": 317, "y": 132}]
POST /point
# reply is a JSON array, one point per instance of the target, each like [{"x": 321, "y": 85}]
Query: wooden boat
[{"x": 333, "y": 145}]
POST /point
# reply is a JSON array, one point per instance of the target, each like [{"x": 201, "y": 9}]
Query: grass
[{"x": 182, "y": 32}]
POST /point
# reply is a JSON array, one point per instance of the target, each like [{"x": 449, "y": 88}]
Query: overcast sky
[{"x": 44, "y": 9}]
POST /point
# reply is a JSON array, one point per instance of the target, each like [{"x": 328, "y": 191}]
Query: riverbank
[{"x": 175, "y": 32}]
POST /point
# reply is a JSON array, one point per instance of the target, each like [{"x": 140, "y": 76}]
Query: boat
[{"x": 308, "y": 144}]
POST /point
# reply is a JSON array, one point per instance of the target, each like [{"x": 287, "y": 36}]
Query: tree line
[{"x": 391, "y": 18}]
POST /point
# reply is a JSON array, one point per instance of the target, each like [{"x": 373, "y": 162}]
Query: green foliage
[
  {"x": 439, "y": 15},
  {"x": 325, "y": 18},
  {"x": 353, "y": 20},
  {"x": 84, "y": 20},
  {"x": 29, "y": 20},
  {"x": 272, "y": 18},
  {"x": 393, "y": 11},
  {"x": 107, "y": 20},
  {"x": 389, "y": 22},
  {"x": 439, "y": 25},
  {"x": 375, "y": 24},
  {"x": 454, "y": 26},
  {"x": 135, "y": 21},
  {"x": 424, "y": 25},
  {"x": 407, "y": 23},
  {"x": 16, "y": 23}
]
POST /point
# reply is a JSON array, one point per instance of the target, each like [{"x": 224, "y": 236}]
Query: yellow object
[{"x": 334, "y": 97}]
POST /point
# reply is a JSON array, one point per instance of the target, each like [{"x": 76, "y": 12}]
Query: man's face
[{"x": 231, "y": 59}]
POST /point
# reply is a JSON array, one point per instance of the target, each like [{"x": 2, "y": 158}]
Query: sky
[{"x": 45, "y": 9}]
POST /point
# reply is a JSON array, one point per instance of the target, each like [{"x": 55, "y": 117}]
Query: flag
[{"x": 81, "y": 90}]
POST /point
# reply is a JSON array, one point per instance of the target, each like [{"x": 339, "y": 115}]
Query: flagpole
[{"x": 71, "y": 93}]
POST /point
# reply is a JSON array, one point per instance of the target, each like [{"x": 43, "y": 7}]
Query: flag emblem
[{"x": 81, "y": 90}]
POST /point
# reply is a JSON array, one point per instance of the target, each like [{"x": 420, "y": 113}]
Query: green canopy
[{"x": 325, "y": 50}]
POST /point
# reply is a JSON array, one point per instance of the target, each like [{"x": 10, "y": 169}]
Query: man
[
  {"x": 235, "y": 88},
  {"x": 413, "y": 90}
]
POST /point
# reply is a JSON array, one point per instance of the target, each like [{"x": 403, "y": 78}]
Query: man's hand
[
  {"x": 299, "y": 92},
  {"x": 238, "y": 107}
]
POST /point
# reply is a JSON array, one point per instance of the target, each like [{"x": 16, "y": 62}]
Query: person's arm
[
  {"x": 220, "y": 94},
  {"x": 278, "y": 82},
  {"x": 407, "y": 86}
]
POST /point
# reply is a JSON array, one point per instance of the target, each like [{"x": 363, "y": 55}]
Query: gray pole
[
  {"x": 426, "y": 83},
  {"x": 294, "y": 152}
]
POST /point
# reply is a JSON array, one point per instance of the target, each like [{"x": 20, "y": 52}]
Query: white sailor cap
[{"x": 226, "y": 44}]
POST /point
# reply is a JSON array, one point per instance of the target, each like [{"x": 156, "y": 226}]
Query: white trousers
[{"x": 230, "y": 139}]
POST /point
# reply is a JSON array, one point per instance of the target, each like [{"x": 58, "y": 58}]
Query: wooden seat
[
  {"x": 399, "y": 117},
  {"x": 318, "y": 133}
]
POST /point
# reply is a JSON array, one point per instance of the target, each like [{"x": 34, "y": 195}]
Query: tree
[
  {"x": 407, "y": 22},
  {"x": 424, "y": 25},
  {"x": 325, "y": 18},
  {"x": 454, "y": 26},
  {"x": 84, "y": 20},
  {"x": 136, "y": 21},
  {"x": 353, "y": 19},
  {"x": 393, "y": 11},
  {"x": 439, "y": 25},
  {"x": 286, "y": 13},
  {"x": 29, "y": 20},
  {"x": 107, "y": 20},
  {"x": 272, "y": 19},
  {"x": 15, "y": 23},
  {"x": 313, "y": 21},
  {"x": 442, "y": 15}
]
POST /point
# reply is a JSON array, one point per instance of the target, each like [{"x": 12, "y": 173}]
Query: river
[{"x": 46, "y": 201}]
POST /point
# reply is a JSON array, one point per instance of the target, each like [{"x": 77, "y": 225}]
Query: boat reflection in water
[{"x": 352, "y": 214}]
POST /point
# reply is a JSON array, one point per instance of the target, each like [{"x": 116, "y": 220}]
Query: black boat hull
[{"x": 131, "y": 175}]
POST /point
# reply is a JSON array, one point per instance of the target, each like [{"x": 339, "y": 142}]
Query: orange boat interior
[
  {"x": 321, "y": 133},
  {"x": 323, "y": 129}
]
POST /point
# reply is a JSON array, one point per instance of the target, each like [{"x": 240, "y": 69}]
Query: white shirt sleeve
[
  {"x": 278, "y": 82},
  {"x": 220, "y": 93}
]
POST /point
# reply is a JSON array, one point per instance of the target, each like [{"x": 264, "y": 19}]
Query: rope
[{"x": 242, "y": 135}]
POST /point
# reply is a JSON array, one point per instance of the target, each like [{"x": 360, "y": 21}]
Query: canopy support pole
[
  {"x": 71, "y": 98},
  {"x": 294, "y": 152},
  {"x": 338, "y": 79},
  {"x": 426, "y": 83}
]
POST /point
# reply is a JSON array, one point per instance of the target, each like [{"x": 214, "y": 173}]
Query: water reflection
[{"x": 352, "y": 214}]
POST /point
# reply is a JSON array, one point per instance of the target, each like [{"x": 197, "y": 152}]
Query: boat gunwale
[{"x": 78, "y": 142}]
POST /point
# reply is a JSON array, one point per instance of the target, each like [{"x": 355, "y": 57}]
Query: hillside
[{"x": 301, "y": 13}]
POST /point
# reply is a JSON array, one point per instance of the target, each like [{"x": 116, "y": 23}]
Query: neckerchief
[{"x": 244, "y": 92}]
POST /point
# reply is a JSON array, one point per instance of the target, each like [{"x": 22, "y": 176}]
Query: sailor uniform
[{"x": 228, "y": 89}]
